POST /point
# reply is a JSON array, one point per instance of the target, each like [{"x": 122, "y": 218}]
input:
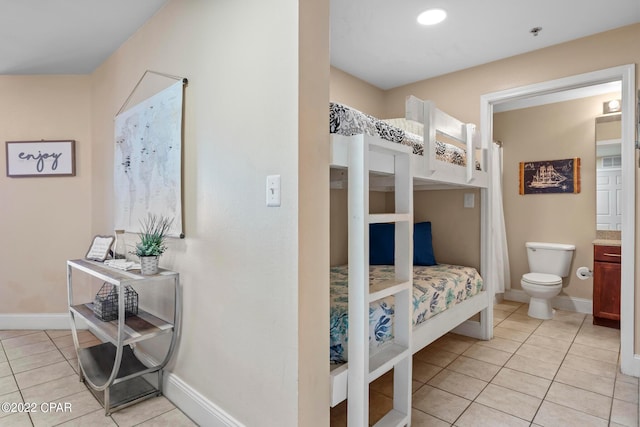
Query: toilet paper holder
[{"x": 584, "y": 273}]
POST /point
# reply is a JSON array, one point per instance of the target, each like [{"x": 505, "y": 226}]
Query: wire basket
[{"x": 105, "y": 304}]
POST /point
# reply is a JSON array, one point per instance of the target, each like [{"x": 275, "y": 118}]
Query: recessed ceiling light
[{"x": 432, "y": 17}]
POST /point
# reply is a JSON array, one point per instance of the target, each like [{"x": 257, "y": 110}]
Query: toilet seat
[{"x": 542, "y": 279}]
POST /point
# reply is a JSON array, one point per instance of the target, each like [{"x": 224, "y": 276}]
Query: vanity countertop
[
  {"x": 607, "y": 242},
  {"x": 608, "y": 238}
]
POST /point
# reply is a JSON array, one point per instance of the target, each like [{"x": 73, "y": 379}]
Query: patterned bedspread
[
  {"x": 347, "y": 121},
  {"x": 435, "y": 288}
]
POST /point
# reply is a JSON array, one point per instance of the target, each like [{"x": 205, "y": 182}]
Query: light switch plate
[
  {"x": 273, "y": 190},
  {"x": 469, "y": 200}
]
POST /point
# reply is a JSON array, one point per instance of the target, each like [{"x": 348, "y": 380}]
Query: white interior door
[{"x": 609, "y": 189}]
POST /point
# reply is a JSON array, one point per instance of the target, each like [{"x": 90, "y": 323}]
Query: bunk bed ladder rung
[
  {"x": 397, "y": 355},
  {"x": 394, "y": 217},
  {"x": 387, "y": 288}
]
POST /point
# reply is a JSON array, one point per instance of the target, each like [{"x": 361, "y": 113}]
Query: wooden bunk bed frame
[{"x": 428, "y": 173}]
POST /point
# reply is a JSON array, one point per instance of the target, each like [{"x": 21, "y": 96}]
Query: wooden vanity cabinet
[{"x": 606, "y": 285}]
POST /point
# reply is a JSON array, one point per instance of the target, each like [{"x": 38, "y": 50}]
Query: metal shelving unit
[{"x": 112, "y": 370}]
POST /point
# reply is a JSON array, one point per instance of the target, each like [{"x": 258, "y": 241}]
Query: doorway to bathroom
[{"x": 625, "y": 77}]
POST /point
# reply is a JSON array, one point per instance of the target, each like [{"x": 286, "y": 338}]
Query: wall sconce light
[{"x": 613, "y": 106}]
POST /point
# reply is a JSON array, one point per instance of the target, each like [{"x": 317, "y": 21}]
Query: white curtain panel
[{"x": 499, "y": 263}]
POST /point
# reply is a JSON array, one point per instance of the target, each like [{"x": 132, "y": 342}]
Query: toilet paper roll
[{"x": 584, "y": 273}]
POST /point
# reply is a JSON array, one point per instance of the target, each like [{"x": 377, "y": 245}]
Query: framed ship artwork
[{"x": 550, "y": 176}]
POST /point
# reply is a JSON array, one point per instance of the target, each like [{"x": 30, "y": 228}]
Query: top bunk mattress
[{"x": 347, "y": 121}]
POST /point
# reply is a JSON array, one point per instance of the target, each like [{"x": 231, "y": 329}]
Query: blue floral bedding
[{"x": 435, "y": 288}]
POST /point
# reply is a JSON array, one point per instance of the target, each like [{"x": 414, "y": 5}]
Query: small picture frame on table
[{"x": 100, "y": 248}]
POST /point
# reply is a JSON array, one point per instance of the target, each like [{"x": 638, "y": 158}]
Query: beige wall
[
  {"x": 244, "y": 267},
  {"x": 455, "y": 229},
  {"x": 43, "y": 221},
  {"x": 609, "y": 127},
  {"x": 550, "y": 132},
  {"x": 339, "y": 230},
  {"x": 313, "y": 215},
  {"x": 356, "y": 93}
]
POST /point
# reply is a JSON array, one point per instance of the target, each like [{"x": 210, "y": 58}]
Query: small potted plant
[{"x": 153, "y": 236}]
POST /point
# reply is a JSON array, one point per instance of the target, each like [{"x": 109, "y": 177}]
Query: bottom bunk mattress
[{"x": 435, "y": 289}]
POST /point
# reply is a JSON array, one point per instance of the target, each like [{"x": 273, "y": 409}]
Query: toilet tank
[{"x": 550, "y": 258}]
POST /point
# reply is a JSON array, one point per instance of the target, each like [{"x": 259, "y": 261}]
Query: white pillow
[{"x": 407, "y": 125}]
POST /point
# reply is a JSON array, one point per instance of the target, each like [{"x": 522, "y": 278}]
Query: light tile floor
[
  {"x": 40, "y": 367},
  {"x": 560, "y": 372}
]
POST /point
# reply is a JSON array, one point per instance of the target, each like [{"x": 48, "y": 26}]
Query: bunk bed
[
  {"x": 436, "y": 288},
  {"x": 366, "y": 154},
  {"x": 447, "y": 152}
]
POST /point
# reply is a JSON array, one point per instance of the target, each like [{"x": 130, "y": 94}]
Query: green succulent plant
[{"x": 153, "y": 235}]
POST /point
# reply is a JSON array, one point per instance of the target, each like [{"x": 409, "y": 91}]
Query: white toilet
[{"x": 549, "y": 263}]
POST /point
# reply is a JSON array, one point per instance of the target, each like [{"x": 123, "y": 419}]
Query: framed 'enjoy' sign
[{"x": 41, "y": 158}]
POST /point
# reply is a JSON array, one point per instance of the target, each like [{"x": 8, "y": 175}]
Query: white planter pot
[{"x": 149, "y": 265}]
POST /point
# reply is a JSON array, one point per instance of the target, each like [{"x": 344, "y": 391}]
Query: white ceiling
[
  {"x": 379, "y": 41},
  {"x": 66, "y": 36}
]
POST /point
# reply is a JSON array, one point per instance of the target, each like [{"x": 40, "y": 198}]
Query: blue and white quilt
[{"x": 435, "y": 289}]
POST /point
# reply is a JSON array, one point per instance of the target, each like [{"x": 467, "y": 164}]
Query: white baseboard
[
  {"x": 562, "y": 302},
  {"x": 43, "y": 321},
  {"x": 197, "y": 407},
  {"x": 201, "y": 410},
  {"x": 632, "y": 368}
]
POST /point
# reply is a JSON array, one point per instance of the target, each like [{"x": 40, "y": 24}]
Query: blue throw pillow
[
  {"x": 382, "y": 244},
  {"x": 422, "y": 245}
]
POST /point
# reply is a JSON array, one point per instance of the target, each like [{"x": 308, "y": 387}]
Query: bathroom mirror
[{"x": 608, "y": 172}]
